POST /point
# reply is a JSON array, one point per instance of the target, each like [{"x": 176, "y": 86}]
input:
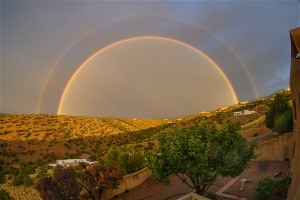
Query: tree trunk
[
  {"x": 199, "y": 190},
  {"x": 99, "y": 193}
]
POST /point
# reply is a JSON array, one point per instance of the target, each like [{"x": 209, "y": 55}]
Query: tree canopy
[
  {"x": 62, "y": 185},
  {"x": 197, "y": 155},
  {"x": 124, "y": 158},
  {"x": 279, "y": 106},
  {"x": 67, "y": 183}
]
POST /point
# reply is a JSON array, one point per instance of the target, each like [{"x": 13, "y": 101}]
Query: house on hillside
[
  {"x": 294, "y": 191},
  {"x": 245, "y": 112},
  {"x": 70, "y": 162}
]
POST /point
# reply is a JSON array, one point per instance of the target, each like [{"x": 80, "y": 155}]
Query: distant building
[
  {"x": 70, "y": 162},
  {"x": 294, "y": 190},
  {"x": 245, "y": 112}
]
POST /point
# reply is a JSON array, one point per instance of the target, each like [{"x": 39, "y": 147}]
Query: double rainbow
[{"x": 65, "y": 91}]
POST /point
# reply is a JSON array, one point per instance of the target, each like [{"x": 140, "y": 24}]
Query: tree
[
  {"x": 49, "y": 189},
  {"x": 197, "y": 155},
  {"x": 62, "y": 185},
  {"x": 278, "y": 107},
  {"x": 284, "y": 123},
  {"x": 95, "y": 178},
  {"x": 124, "y": 158}
]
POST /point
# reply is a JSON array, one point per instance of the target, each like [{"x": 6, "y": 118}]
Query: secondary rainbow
[{"x": 143, "y": 38}]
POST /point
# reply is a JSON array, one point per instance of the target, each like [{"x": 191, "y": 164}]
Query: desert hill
[{"x": 43, "y": 138}]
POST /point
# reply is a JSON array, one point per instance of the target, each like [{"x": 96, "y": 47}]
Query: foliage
[
  {"x": 125, "y": 159},
  {"x": 265, "y": 187},
  {"x": 27, "y": 180},
  {"x": 49, "y": 189},
  {"x": 2, "y": 177},
  {"x": 282, "y": 183},
  {"x": 211, "y": 196},
  {"x": 197, "y": 155},
  {"x": 269, "y": 186},
  {"x": 22, "y": 175},
  {"x": 95, "y": 178},
  {"x": 17, "y": 180},
  {"x": 4, "y": 195},
  {"x": 278, "y": 107},
  {"x": 62, "y": 185},
  {"x": 284, "y": 123}
]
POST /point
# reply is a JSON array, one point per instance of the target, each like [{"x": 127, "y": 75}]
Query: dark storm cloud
[{"x": 35, "y": 34}]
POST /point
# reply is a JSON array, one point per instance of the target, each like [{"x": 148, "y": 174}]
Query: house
[
  {"x": 70, "y": 162},
  {"x": 294, "y": 190},
  {"x": 245, "y": 112}
]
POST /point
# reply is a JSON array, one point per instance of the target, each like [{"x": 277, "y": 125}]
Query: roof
[{"x": 295, "y": 41}]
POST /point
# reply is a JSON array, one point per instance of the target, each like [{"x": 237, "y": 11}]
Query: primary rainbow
[{"x": 143, "y": 38}]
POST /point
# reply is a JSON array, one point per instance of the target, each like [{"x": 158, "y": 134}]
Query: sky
[{"x": 142, "y": 59}]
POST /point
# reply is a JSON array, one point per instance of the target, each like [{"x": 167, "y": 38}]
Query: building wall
[
  {"x": 276, "y": 149},
  {"x": 193, "y": 196},
  {"x": 294, "y": 191},
  {"x": 129, "y": 182}
]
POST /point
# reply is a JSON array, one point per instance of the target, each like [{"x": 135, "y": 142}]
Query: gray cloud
[{"x": 35, "y": 34}]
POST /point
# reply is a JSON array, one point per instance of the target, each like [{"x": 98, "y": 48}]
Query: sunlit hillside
[{"x": 41, "y": 139}]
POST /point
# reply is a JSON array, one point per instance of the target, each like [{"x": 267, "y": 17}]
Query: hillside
[{"x": 43, "y": 138}]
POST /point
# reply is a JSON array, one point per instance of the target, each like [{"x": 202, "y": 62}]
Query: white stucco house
[
  {"x": 245, "y": 112},
  {"x": 70, "y": 162}
]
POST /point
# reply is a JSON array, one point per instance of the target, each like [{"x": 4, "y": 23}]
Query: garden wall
[
  {"x": 129, "y": 182},
  {"x": 275, "y": 149}
]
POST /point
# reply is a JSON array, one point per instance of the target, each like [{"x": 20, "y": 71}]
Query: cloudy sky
[{"x": 145, "y": 59}]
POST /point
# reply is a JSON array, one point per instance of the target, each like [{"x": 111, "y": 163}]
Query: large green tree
[
  {"x": 278, "y": 107},
  {"x": 125, "y": 159},
  {"x": 197, "y": 155}
]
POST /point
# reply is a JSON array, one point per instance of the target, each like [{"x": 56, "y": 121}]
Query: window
[
  {"x": 294, "y": 108},
  {"x": 299, "y": 101},
  {"x": 293, "y": 150}
]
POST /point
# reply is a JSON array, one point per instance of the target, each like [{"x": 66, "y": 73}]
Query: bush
[
  {"x": 269, "y": 186},
  {"x": 281, "y": 184},
  {"x": 27, "y": 180},
  {"x": 211, "y": 196},
  {"x": 17, "y": 180},
  {"x": 4, "y": 195},
  {"x": 2, "y": 177},
  {"x": 284, "y": 123}
]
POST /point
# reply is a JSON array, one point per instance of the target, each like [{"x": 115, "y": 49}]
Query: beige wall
[
  {"x": 129, "y": 181},
  {"x": 294, "y": 191},
  {"x": 193, "y": 196},
  {"x": 275, "y": 149}
]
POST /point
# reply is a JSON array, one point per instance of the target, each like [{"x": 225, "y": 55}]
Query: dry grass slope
[{"x": 43, "y": 138}]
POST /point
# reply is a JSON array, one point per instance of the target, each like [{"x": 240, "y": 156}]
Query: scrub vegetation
[{"x": 40, "y": 139}]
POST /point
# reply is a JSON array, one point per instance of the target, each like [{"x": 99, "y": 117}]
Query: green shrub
[
  {"x": 17, "y": 180},
  {"x": 27, "y": 180},
  {"x": 284, "y": 123},
  {"x": 281, "y": 184},
  {"x": 265, "y": 187},
  {"x": 2, "y": 177},
  {"x": 211, "y": 196},
  {"x": 4, "y": 195},
  {"x": 269, "y": 186}
]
